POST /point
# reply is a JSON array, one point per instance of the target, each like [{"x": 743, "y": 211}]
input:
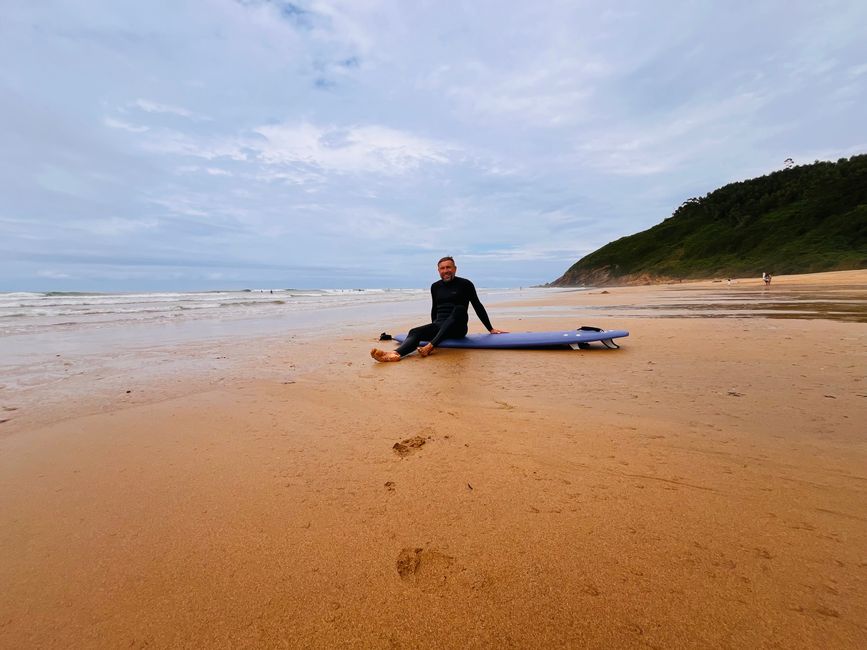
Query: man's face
[{"x": 447, "y": 270}]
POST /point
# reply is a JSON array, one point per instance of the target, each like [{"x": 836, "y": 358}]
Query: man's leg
[
  {"x": 452, "y": 327},
  {"x": 415, "y": 336},
  {"x": 383, "y": 355}
]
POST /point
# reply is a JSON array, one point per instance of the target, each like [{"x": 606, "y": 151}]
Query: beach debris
[
  {"x": 831, "y": 396},
  {"x": 408, "y": 446},
  {"x": 128, "y": 392},
  {"x": 469, "y": 486},
  {"x": 827, "y": 611},
  {"x": 5, "y": 420},
  {"x": 735, "y": 393},
  {"x": 633, "y": 627},
  {"x": 10, "y": 408},
  {"x": 389, "y": 485}
]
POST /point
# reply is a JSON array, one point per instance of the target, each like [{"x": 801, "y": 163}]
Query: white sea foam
[{"x": 26, "y": 312}]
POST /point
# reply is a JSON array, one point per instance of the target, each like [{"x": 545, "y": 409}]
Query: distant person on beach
[
  {"x": 451, "y": 297},
  {"x": 766, "y": 277}
]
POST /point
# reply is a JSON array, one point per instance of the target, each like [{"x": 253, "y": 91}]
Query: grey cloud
[{"x": 518, "y": 136}]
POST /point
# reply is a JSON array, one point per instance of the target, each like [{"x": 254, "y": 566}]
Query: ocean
[
  {"x": 48, "y": 338},
  {"x": 27, "y": 313}
]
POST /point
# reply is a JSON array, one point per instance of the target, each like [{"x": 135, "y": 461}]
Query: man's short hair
[{"x": 447, "y": 258}]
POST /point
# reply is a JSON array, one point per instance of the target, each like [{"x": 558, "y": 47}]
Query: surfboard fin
[{"x": 608, "y": 343}]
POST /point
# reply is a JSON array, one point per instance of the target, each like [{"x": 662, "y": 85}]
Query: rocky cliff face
[{"x": 606, "y": 277}]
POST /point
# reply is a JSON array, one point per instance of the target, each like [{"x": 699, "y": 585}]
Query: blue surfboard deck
[{"x": 531, "y": 340}]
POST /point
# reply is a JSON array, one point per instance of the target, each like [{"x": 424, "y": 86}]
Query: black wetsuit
[{"x": 448, "y": 314}]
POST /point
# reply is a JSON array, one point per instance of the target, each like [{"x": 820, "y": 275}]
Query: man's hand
[{"x": 496, "y": 331}]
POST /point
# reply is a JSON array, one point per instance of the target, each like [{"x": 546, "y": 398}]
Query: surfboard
[{"x": 575, "y": 339}]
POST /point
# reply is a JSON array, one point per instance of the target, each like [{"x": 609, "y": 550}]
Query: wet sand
[{"x": 703, "y": 486}]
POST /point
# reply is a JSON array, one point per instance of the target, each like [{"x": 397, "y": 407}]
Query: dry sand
[{"x": 704, "y": 486}]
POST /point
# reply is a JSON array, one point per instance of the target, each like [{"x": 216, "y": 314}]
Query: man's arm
[
  {"x": 480, "y": 310},
  {"x": 433, "y": 302}
]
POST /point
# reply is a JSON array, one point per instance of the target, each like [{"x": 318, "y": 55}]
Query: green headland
[{"x": 804, "y": 219}]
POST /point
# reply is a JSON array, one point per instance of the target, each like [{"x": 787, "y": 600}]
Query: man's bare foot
[
  {"x": 382, "y": 355},
  {"x": 425, "y": 350}
]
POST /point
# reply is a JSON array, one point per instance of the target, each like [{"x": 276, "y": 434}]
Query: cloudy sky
[{"x": 201, "y": 144}]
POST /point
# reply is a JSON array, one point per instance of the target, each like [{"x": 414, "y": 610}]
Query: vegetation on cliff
[{"x": 803, "y": 219}]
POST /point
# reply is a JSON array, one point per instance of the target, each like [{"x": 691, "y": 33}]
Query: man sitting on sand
[{"x": 451, "y": 297}]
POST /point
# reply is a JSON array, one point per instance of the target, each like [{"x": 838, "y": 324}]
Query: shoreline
[
  {"x": 701, "y": 486},
  {"x": 814, "y": 277}
]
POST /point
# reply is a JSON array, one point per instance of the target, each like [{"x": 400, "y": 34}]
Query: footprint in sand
[
  {"x": 591, "y": 589},
  {"x": 409, "y": 445},
  {"x": 408, "y": 561},
  {"x": 763, "y": 553},
  {"x": 425, "y": 568}
]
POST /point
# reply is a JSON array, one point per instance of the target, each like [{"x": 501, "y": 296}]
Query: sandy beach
[{"x": 705, "y": 486}]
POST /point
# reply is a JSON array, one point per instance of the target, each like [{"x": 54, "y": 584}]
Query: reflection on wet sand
[
  {"x": 846, "y": 303},
  {"x": 841, "y": 303}
]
